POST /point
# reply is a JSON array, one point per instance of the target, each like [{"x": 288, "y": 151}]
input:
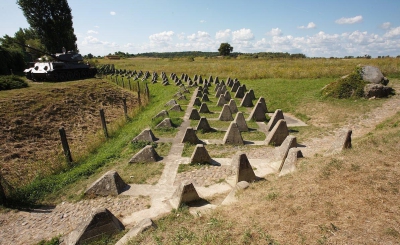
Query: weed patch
[{"x": 12, "y": 82}]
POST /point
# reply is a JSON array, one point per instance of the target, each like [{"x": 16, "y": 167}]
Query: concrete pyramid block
[
  {"x": 185, "y": 193},
  {"x": 162, "y": 113},
  {"x": 176, "y": 107},
  {"x": 102, "y": 222},
  {"x": 280, "y": 153},
  {"x": 241, "y": 122},
  {"x": 221, "y": 100},
  {"x": 166, "y": 123},
  {"x": 233, "y": 135},
  {"x": 278, "y": 134},
  {"x": 264, "y": 105},
  {"x": 223, "y": 89},
  {"x": 290, "y": 164},
  {"x": 342, "y": 142},
  {"x": 145, "y": 155},
  {"x": 232, "y": 106},
  {"x": 242, "y": 166},
  {"x": 251, "y": 94},
  {"x": 278, "y": 115},
  {"x": 190, "y": 136},
  {"x": 246, "y": 101},
  {"x": 197, "y": 101},
  {"x": 183, "y": 97},
  {"x": 240, "y": 92},
  {"x": 233, "y": 195},
  {"x": 199, "y": 93},
  {"x": 227, "y": 96},
  {"x": 258, "y": 114},
  {"x": 170, "y": 103},
  {"x": 205, "y": 98},
  {"x": 218, "y": 93},
  {"x": 203, "y": 125},
  {"x": 235, "y": 86},
  {"x": 226, "y": 114},
  {"x": 204, "y": 108},
  {"x": 200, "y": 155},
  {"x": 145, "y": 135},
  {"x": 110, "y": 184},
  {"x": 194, "y": 114},
  {"x": 205, "y": 91},
  {"x": 229, "y": 83},
  {"x": 217, "y": 87},
  {"x": 210, "y": 79},
  {"x": 216, "y": 80}
]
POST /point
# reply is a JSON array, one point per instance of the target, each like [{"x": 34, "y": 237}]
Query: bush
[
  {"x": 350, "y": 86},
  {"x": 12, "y": 82}
]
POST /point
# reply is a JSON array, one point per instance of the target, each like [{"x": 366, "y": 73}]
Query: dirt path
[{"x": 30, "y": 227}]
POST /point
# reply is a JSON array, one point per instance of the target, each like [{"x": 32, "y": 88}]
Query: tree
[
  {"x": 225, "y": 49},
  {"x": 52, "y": 21}
]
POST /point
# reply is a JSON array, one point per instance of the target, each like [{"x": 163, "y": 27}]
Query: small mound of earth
[{"x": 30, "y": 119}]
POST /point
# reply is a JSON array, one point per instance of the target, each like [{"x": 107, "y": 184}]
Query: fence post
[
  {"x": 147, "y": 92},
  {"x": 103, "y": 123},
  {"x": 130, "y": 86},
  {"x": 138, "y": 92},
  {"x": 65, "y": 145},
  {"x": 125, "y": 108},
  {"x": 123, "y": 84}
]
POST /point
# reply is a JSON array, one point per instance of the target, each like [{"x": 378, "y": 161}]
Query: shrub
[
  {"x": 350, "y": 86},
  {"x": 12, "y": 82},
  {"x": 11, "y": 59}
]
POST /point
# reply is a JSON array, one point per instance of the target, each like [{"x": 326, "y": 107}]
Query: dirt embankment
[{"x": 30, "y": 119}]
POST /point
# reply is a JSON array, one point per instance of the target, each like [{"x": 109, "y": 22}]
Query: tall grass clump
[
  {"x": 350, "y": 86},
  {"x": 12, "y": 82}
]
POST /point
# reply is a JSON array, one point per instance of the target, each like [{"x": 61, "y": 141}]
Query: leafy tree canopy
[
  {"x": 225, "y": 49},
  {"x": 52, "y": 22}
]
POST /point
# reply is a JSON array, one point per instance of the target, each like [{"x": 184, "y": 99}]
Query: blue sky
[{"x": 316, "y": 28}]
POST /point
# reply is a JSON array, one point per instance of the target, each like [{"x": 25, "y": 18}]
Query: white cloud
[
  {"x": 203, "y": 21},
  {"x": 199, "y": 36},
  {"x": 162, "y": 37},
  {"x": 113, "y": 13},
  {"x": 242, "y": 35},
  {"x": 181, "y": 36},
  {"x": 91, "y": 40},
  {"x": 92, "y": 32},
  {"x": 275, "y": 32},
  {"x": 223, "y": 35},
  {"x": 351, "y": 20},
  {"x": 385, "y": 25},
  {"x": 310, "y": 25},
  {"x": 393, "y": 32}
]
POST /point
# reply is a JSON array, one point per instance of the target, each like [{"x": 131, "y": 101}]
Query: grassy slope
[{"x": 349, "y": 198}]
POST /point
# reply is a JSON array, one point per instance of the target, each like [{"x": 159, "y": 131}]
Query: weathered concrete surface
[
  {"x": 145, "y": 135},
  {"x": 290, "y": 164},
  {"x": 101, "y": 222},
  {"x": 200, "y": 155},
  {"x": 142, "y": 226},
  {"x": 342, "y": 142},
  {"x": 110, "y": 184},
  {"x": 233, "y": 195},
  {"x": 233, "y": 135},
  {"x": 242, "y": 166},
  {"x": 278, "y": 134},
  {"x": 145, "y": 155},
  {"x": 190, "y": 136},
  {"x": 185, "y": 193}
]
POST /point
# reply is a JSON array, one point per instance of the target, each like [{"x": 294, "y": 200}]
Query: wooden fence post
[
  {"x": 138, "y": 92},
  {"x": 125, "y": 108},
  {"x": 65, "y": 145},
  {"x": 103, "y": 123},
  {"x": 147, "y": 92},
  {"x": 130, "y": 85}
]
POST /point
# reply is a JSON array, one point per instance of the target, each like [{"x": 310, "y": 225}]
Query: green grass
[
  {"x": 189, "y": 167},
  {"x": 93, "y": 165}
]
